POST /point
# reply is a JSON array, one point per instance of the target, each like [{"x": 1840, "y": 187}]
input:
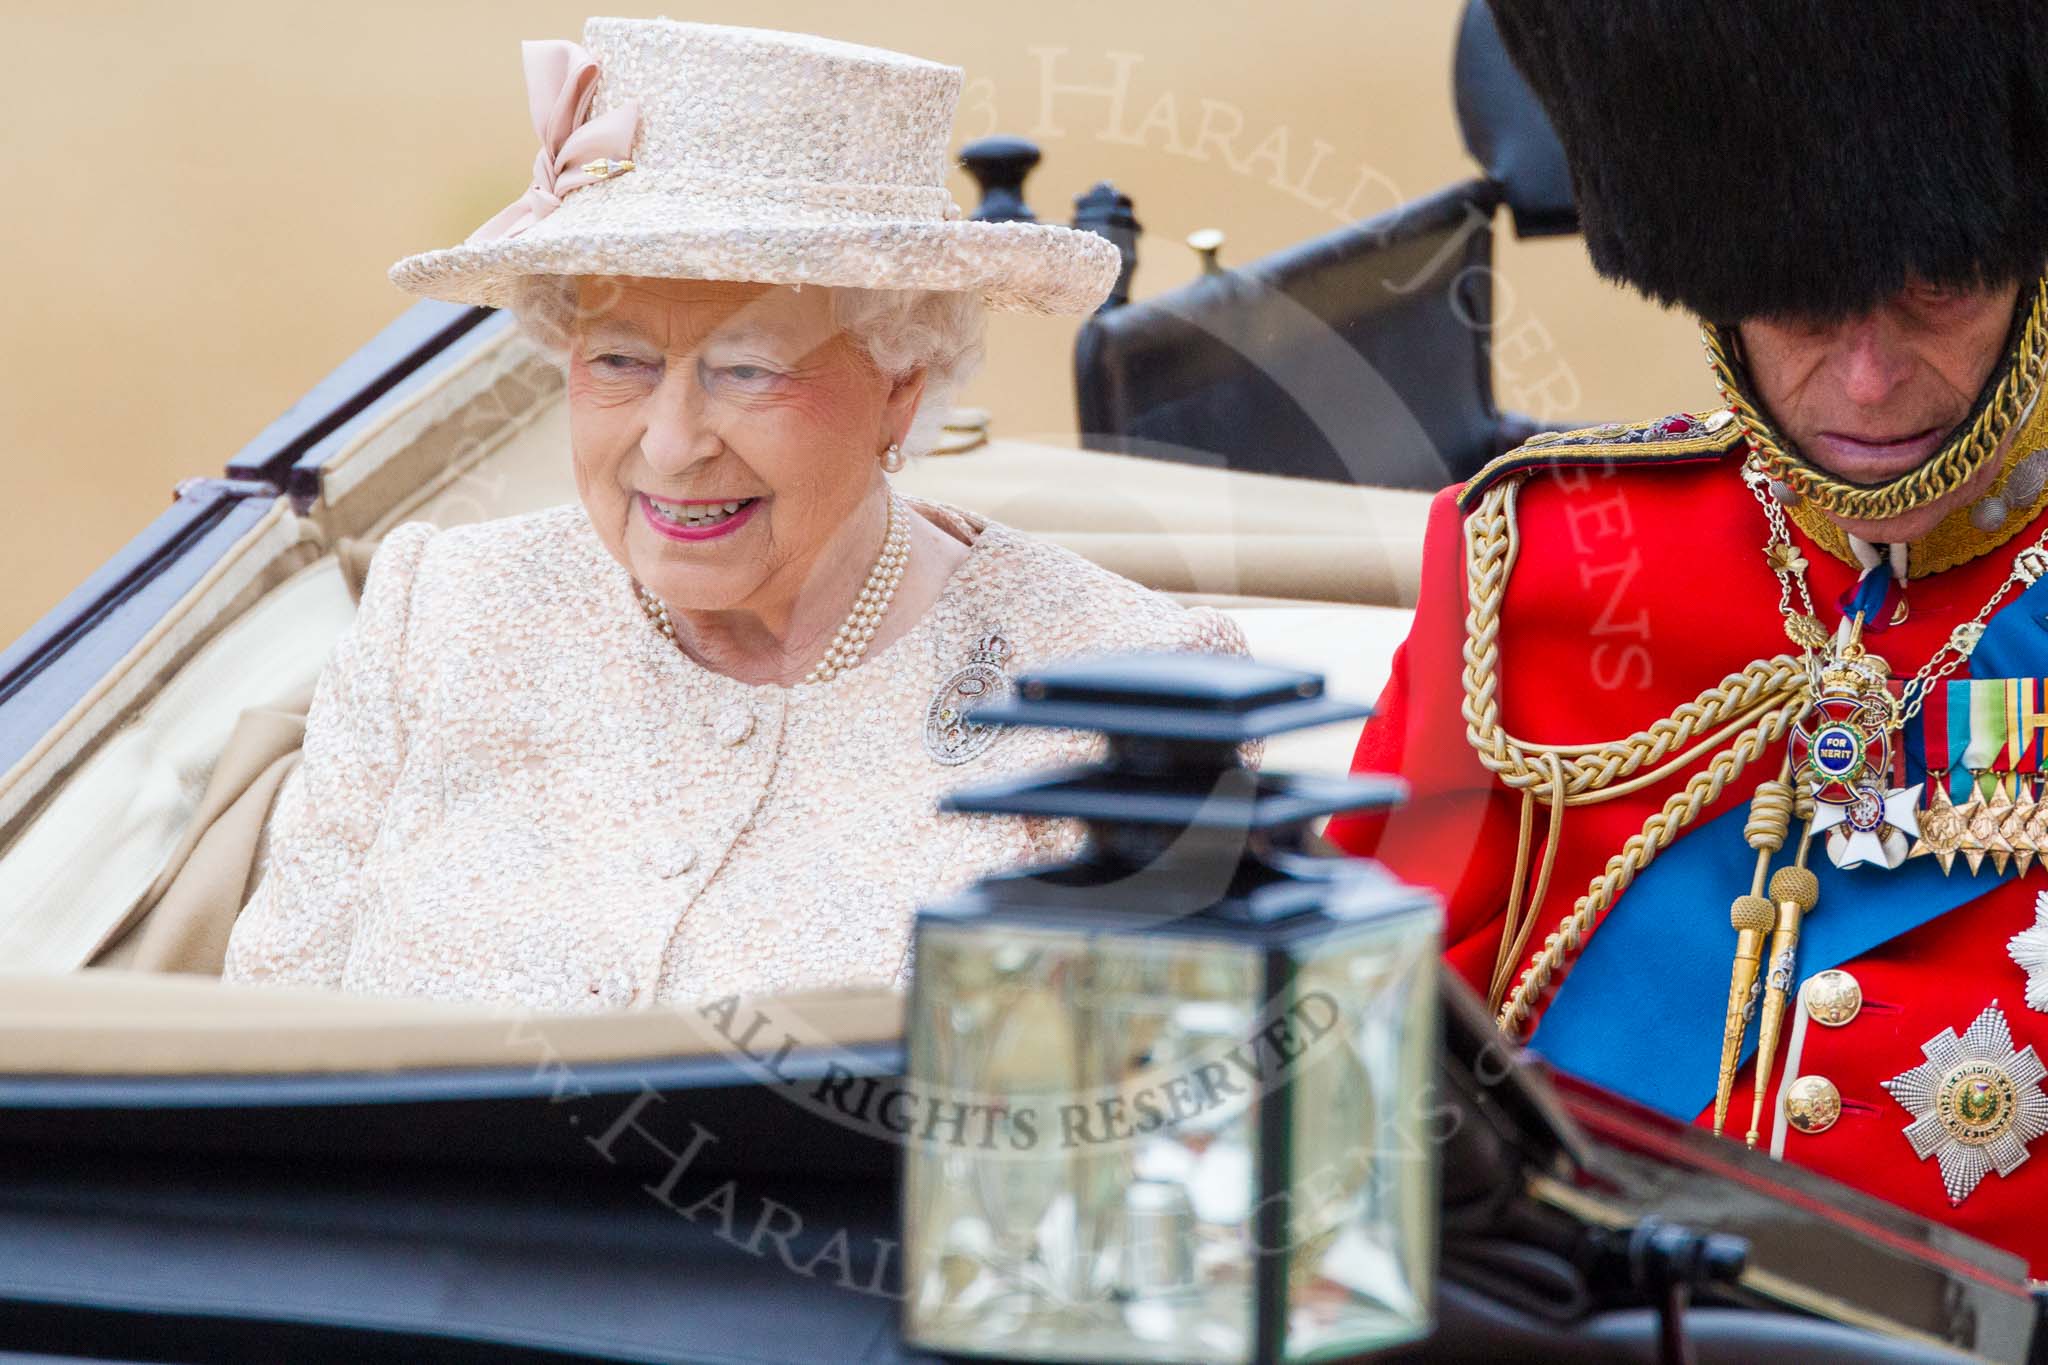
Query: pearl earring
[{"x": 893, "y": 458}]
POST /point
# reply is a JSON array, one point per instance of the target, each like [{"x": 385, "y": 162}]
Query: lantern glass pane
[
  {"x": 1362, "y": 1182},
  {"x": 1100, "y": 1204}
]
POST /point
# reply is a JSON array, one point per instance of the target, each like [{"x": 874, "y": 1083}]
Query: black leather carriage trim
[{"x": 1682, "y": 438}]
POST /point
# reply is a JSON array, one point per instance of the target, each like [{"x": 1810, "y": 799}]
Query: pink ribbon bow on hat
[{"x": 561, "y": 81}]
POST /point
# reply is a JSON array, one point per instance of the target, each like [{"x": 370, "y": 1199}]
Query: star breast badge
[
  {"x": 2029, "y": 948},
  {"x": 1976, "y": 1102}
]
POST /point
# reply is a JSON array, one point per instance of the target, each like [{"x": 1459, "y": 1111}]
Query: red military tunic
[{"x": 1638, "y": 586}]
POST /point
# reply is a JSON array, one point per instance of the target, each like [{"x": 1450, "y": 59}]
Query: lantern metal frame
[{"x": 1184, "y": 841}]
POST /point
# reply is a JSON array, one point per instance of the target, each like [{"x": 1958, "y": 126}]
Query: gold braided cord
[
  {"x": 1591, "y": 770},
  {"x": 1678, "y": 763},
  {"x": 1519, "y": 924},
  {"x": 1560, "y": 947},
  {"x": 1503, "y": 964},
  {"x": 1951, "y": 468},
  {"x": 1750, "y": 709}
]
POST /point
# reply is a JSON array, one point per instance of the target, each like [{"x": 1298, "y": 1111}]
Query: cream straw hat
[{"x": 702, "y": 151}]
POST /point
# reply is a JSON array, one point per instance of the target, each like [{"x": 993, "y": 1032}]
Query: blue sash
[{"x": 1642, "y": 1011}]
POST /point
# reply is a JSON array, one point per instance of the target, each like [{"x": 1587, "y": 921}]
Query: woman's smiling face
[{"x": 722, "y": 432}]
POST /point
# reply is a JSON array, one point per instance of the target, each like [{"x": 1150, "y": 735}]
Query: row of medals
[
  {"x": 1843, "y": 749},
  {"x": 1974, "y": 1101}
]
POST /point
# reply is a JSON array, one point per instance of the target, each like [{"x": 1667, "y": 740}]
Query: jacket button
[
  {"x": 1833, "y": 998},
  {"x": 733, "y": 726},
  {"x": 1813, "y": 1104}
]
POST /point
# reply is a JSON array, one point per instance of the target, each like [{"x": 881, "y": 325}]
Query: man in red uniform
[{"x": 1726, "y": 731}]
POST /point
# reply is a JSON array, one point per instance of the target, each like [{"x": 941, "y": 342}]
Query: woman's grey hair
[{"x": 941, "y": 331}]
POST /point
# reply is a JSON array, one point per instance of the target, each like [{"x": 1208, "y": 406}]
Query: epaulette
[{"x": 1683, "y": 438}]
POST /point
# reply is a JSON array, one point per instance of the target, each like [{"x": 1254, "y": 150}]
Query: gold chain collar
[
  {"x": 1955, "y": 539},
  {"x": 1951, "y": 468},
  {"x": 1803, "y": 626}
]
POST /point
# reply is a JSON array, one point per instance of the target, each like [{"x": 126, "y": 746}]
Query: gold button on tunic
[
  {"x": 1833, "y": 998},
  {"x": 514, "y": 788},
  {"x": 1813, "y": 1104}
]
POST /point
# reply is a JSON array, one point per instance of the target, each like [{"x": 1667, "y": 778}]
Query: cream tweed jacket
[{"x": 515, "y": 789}]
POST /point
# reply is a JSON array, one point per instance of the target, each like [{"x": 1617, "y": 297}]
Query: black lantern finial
[{"x": 1177, "y": 725}]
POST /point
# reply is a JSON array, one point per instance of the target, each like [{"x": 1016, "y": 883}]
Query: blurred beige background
[{"x": 206, "y": 197}]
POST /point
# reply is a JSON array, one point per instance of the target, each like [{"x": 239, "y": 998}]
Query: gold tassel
[
  {"x": 1751, "y": 916},
  {"x": 1795, "y": 891}
]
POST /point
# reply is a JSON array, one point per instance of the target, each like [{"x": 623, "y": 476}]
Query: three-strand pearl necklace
[{"x": 858, "y": 629}]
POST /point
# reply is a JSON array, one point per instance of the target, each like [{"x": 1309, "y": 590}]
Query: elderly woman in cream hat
[{"x": 683, "y": 737}]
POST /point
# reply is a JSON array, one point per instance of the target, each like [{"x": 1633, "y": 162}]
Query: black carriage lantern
[{"x": 1191, "y": 1068}]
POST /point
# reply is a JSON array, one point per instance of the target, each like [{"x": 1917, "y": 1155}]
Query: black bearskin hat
[{"x": 1746, "y": 157}]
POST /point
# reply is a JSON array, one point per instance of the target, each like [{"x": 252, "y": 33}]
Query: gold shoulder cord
[{"x": 1747, "y": 712}]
